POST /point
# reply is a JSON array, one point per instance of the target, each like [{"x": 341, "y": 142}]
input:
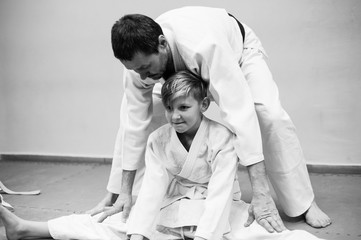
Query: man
[{"x": 228, "y": 55}]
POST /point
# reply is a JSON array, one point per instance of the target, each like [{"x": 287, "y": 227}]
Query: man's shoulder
[{"x": 190, "y": 10}]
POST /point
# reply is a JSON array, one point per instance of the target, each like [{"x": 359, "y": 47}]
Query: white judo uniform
[
  {"x": 209, "y": 43},
  {"x": 181, "y": 188}
]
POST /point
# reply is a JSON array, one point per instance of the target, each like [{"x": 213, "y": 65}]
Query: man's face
[{"x": 148, "y": 66}]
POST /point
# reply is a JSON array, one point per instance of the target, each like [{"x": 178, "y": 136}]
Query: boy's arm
[
  {"x": 214, "y": 219},
  {"x": 154, "y": 186}
]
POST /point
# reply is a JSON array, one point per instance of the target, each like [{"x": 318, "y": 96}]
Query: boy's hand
[
  {"x": 123, "y": 203},
  {"x": 263, "y": 209}
]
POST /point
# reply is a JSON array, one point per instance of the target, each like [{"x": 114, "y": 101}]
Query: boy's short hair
[
  {"x": 135, "y": 33},
  {"x": 183, "y": 83}
]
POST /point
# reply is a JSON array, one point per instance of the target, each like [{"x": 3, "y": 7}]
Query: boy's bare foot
[
  {"x": 12, "y": 224},
  {"x": 316, "y": 218}
]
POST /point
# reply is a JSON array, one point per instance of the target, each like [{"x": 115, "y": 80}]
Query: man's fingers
[
  {"x": 94, "y": 211},
  {"x": 276, "y": 221},
  {"x": 265, "y": 224},
  {"x": 107, "y": 213},
  {"x": 279, "y": 226},
  {"x": 272, "y": 223},
  {"x": 250, "y": 217},
  {"x": 102, "y": 217},
  {"x": 126, "y": 211},
  {"x": 249, "y": 221}
]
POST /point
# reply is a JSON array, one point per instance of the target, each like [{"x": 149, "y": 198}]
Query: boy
[{"x": 189, "y": 184}]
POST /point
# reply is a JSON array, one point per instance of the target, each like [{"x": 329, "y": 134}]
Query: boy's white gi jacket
[{"x": 193, "y": 188}]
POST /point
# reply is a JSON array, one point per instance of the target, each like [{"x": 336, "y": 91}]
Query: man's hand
[
  {"x": 123, "y": 203},
  {"x": 107, "y": 201},
  {"x": 263, "y": 209}
]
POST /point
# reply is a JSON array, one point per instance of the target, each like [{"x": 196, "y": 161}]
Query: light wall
[{"x": 60, "y": 86}]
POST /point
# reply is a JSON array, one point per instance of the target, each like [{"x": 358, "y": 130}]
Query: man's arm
[
  {"x": 238, "y": 111},
  {"x": 124, "y": 200},
  {"x": 262, "y": 207}
]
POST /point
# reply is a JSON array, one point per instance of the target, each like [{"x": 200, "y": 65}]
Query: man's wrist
[
  {"x": 258, "y": 178},
  {"x": 127, "y": 181}
]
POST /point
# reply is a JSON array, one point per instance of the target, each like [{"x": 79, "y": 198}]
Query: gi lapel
[{"x": 193, "y": 151}]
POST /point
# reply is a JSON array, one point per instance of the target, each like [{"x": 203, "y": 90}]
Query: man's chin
[{"x": 156, "y": 77}]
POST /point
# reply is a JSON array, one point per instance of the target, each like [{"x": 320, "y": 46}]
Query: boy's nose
[{"x": 176, "y": 115}]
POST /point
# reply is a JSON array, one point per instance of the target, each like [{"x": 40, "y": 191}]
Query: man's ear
[
  {"x": 162, "y": 41},
  {"x": 205, "y": 104}
]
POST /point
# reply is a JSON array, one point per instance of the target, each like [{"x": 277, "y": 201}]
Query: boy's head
[
  {"x": 184, "y": 96},
  {"x": 183, "y": 83}
]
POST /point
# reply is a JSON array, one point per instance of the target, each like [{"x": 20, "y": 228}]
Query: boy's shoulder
[
  {"x": 216, "y": 128},
  {"x": 163, "y": 133}
]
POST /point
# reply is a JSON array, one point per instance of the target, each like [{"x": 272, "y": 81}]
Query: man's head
[
  {"x": 138, "y": 42},
  {"x": 184, "y": 97}
]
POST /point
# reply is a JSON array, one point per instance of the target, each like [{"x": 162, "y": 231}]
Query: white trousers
[
  {"x": 85, "y": 227},
  {"x": 284, "y": 160}
]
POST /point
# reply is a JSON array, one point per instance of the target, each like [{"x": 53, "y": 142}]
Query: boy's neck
[{"x": 187, "y": 138}]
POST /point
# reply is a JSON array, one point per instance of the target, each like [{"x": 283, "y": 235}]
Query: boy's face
[{"x": 185, "y": 114}]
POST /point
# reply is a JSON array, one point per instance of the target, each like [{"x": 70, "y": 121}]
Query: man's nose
[{"x": 143, "y": 75}]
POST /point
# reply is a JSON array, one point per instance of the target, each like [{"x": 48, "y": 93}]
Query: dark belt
[{"x": 240, "y": 26}]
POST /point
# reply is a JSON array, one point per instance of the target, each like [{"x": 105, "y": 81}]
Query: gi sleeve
[
  {"x": 214, "y": 220},
  {"x": 218, "y": 63},
  {"x": 135, "y": 117},
  {"x": 156, "y": 179}
]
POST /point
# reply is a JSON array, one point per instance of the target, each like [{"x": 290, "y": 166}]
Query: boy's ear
[{"x": 205, "y": 104}]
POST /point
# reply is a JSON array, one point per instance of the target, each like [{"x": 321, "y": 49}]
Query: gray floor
[{"x": 74, "y": 187}]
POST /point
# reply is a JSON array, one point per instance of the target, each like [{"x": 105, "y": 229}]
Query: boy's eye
[
  {"x": 183, "y": 108},
  {"x": 168, "y": 108}
]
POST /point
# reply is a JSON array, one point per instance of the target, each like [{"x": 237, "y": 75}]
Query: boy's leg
[
  {"x": 17, "y": 228},
  {"x": 284, "y": 159},
  {"x": 84, "y": 226}
]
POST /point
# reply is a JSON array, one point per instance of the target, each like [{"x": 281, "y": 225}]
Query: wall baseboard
[
  {"x": 312, "y": 168},
  {"x": 54, "y": 158}
]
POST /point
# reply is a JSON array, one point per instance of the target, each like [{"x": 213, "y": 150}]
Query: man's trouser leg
[{"x": 284, "y": 160}]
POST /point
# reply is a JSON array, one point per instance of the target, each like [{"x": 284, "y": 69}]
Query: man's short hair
[
  {"x": 183, "y": 83},
  {"x": 135, "y": 33}
]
